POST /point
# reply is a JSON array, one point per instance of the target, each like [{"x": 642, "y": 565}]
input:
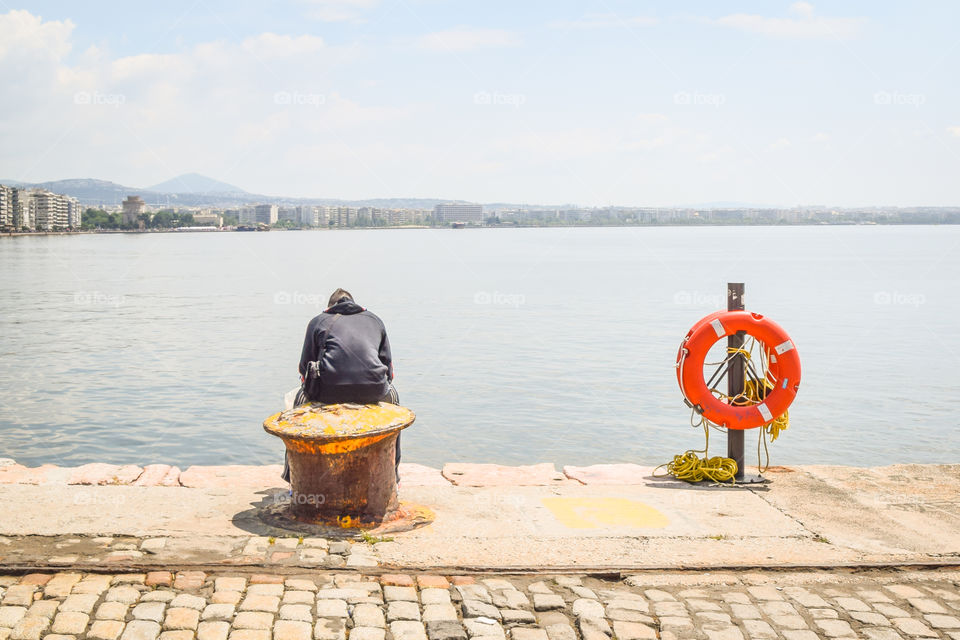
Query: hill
[{"x": 194, "y": 183}]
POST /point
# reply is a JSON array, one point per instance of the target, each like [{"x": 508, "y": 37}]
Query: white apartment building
[
  {"x": 6, "y": 206},
  {"x": 74, "y": 213},
  {"x": 266, "y": 213},
  {"x": 312, "y": 216},
  {"x": 459, "y": 213},
  {"x": 38, "y": 209}
]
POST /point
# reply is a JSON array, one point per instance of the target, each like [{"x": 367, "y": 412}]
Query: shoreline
[{"x": 500, "y": 226}]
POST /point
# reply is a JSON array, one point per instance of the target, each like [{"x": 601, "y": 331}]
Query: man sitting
[{"x": 346, "y": 358}]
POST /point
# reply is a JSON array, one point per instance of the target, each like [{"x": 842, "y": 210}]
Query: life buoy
[{"x": 783, "y": 370}]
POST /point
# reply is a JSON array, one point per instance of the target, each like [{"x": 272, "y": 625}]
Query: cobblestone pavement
[
  {"x": 122, "y": 551},
  {"x": 336, "y": 605}
]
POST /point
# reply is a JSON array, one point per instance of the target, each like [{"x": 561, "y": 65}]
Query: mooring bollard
[{"x": 342, "y": 461}]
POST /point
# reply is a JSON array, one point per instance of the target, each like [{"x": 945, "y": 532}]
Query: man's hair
[{"x": 339, "y": 296}]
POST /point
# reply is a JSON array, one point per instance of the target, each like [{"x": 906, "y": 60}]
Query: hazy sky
[{"x": 593, "y": 103}]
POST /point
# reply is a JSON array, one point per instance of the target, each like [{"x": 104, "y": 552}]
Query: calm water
[{"x": 512, "y": 346}]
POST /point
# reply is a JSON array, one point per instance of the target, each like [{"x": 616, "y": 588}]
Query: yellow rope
[
  {"x": 690, "y": 467},
  {"x": 693, "y": 468}
]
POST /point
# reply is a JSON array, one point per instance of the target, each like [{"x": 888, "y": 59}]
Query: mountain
[
  {"x": 89, "y": 190},
  {"x": 195, "y": 190},
  {"x": 194, "y": 183}
]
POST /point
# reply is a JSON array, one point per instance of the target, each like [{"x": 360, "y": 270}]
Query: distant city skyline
[{"x": 588, "y": 104}]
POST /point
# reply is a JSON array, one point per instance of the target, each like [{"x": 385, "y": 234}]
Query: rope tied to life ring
[{"x": 762, "y": 378}]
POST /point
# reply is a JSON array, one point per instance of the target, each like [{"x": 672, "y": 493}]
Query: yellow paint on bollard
[{"x": 594, "y": 513}]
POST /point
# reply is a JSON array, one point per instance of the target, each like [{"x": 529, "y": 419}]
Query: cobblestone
[
  {"x": 901, "y": 606},
  {"x": 253, "y": 620},
  {"x": 20, "y": 595},
  {"x": 368, "y": 615},
  {"x": 111, "y": 611},
  {"x": 291, "y": 630},
  {"x": 478, "y": 609},
  {"x": 105, "y": 630},
  {"x": 446, "y": 631},
  {"x": 402, "y": 610},
  {"x": 330, "y": 629},
  {"x": 547, "y": 602},
  {"x": 482, "y": 628},
  {"x": 213, "y": 630},
  {"x": 70, "y": 623},
  {"x": 141, "y": 630},
  {"x": 82, "y": 603},
  {"x": 30, "y": 628},
  {"x": 408, "y": 630},
  {"x": 44, "y": 608},
  {"x": 10, "y": 616},
  {"x": 148, "y": 611},
  {"x": 181, "y": 618}
]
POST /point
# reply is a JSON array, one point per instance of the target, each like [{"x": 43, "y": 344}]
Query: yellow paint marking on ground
[{"x": 593, "y": 513}]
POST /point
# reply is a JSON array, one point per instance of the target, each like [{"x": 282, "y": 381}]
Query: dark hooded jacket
[{"x": 351, "y": 344}]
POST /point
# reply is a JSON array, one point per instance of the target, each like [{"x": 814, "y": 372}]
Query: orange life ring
[{"x": 783, "y": 370}]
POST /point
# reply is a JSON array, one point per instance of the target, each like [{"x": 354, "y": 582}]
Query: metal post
[
  {"x": 735, "y": 387},
  {"x": 735, "y": 376}
]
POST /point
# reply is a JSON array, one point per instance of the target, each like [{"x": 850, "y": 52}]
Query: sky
[{"x": 641, "y": 103}]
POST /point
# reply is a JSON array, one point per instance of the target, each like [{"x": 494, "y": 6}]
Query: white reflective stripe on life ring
[
  {"x": 783, "y": 347},
  {"x": 765, "y": 412},
  {"x": 718, "y": 327}
]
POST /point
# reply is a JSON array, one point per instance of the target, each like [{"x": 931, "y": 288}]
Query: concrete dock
[{"x": 599, "y": 519}]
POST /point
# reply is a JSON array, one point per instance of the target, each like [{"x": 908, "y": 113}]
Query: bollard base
[{"x": 407, "y": 517}]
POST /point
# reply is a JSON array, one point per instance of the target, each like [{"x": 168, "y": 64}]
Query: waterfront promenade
[
  {"x": 603, "y": 518},
  {"x": 106, "y": 552}
]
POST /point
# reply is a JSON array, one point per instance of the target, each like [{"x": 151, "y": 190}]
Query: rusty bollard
[{"x": 341, "y": 460}]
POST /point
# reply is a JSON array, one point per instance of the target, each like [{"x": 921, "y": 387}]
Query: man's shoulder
[
  {"x": 371, "y": 314},
  {"x": 317, "y": 320}
]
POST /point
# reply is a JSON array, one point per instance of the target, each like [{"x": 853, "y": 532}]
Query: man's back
[{"x": 352, "y": 348}]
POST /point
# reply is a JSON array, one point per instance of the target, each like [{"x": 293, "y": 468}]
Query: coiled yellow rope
[{"x": 690, "y": 467}]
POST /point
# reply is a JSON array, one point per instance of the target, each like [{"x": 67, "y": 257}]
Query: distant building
[
  {"x": 133, "y": 207},
  {"x": 6, "y": 206},
  {"x": 22, "y": 211},
  {"x": 74, "y": 213},
  {"x": 49, "y": 210},
  {"x": 288, "y": 214},
  {"x": 311, "y": 216},
  {"x": 342, "y": 216},
  {"x": 248, "y": 215},
  {"x": 459, "y": 213},
  {"x": 266, "y": 213},
  {"x": 207, "y": 219}
]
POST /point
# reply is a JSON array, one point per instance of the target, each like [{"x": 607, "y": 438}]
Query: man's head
[{"x": 339, "y": 295}]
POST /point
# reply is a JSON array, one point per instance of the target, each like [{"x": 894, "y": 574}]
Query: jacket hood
[{"x": 346, "y": 307}]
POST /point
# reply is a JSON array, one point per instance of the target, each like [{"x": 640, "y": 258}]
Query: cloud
[
  {"x": 467, "y": 39},
  {"x": 339, "y": 10},
  {"x": 650, "y": 117},
  {"x": 24, "y": 33},
  {"x": 803, "y": 9},
  {"x": 148, "y": 64},
  {"x": 780, "y": 143},
  {"x": 214, "y": 102},
  {"x": 805, "y": 25},
  {"x": 821, "y": 137},
  {"x": 954, "y": 131},
  {"x": 272, "y": 45},
  {"x": 604, "y": 21}
]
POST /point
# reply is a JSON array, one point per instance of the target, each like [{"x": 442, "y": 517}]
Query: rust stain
[{"x": 364, "y": 423}]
